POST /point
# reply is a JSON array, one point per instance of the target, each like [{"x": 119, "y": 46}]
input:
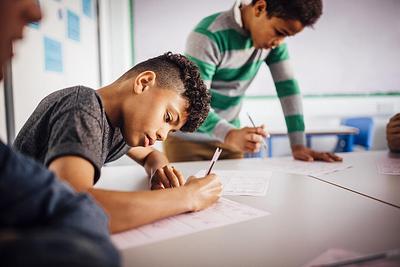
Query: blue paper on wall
[
  {"x": 53, "y": 55},
  {"x": 87, "y": 7},
  {"x": 73, "y": 26}
]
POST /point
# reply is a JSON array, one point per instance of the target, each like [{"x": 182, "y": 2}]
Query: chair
[{"x": 363, "y": 138}]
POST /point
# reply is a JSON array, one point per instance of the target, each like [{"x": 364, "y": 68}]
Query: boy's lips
[{"x": 148, "y": 141}]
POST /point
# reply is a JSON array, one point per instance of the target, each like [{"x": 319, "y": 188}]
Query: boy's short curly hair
[
  {"x": 176, "y": 72},
  {"x": 306, "y": 11}
]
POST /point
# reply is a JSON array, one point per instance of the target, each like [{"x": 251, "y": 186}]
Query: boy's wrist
[{"x": 188, "y": 198}]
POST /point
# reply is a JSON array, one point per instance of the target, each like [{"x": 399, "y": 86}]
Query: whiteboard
[
  {"x": 353, "y": 48},
  {"x": 80, "y": 62}
]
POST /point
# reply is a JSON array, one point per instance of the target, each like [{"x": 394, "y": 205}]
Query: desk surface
[
  {"x": 365, "y": 178},
  {"x": 342, "y": 129},
  {"x": 308, "y": 217}
]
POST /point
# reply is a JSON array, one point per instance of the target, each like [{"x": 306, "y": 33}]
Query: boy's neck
[
  {"x": 111, "y": 98},
  {"x": 245, "y": 12}
]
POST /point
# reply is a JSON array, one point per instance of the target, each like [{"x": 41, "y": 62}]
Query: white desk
[
  {"x": 365, "y": 178},
  {"x": 308, "y": 216}
]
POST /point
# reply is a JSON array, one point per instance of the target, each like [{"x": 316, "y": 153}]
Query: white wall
[
  {"x": 161, "y": 26},
  {"x": 31, "y": 82},
  {"x": 115, "y": 39},
  {"x": 352, "y": 48}
]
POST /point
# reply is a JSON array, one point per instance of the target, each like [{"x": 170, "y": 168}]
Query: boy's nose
[{"x": 162, "y": 134}]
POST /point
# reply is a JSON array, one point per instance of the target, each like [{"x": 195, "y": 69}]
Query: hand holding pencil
[
  {"x": 207, "y": 190},
  {"x": 246, "y": 139}
]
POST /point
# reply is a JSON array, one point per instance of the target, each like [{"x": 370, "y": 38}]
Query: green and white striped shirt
[{"x": 228, "y": 63}]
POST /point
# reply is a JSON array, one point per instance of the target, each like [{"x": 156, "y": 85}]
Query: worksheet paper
[
  {"x": 242, "y": 183},
  {"x": 224, "y": 212},
  {"x": 388, "y": 165},
  {"x": 289, "y": 165}
]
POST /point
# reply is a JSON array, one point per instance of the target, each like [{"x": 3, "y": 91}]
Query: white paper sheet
[
  {"x": 289, "y": 165},
  {"x": 242, "y": 183},
  {"x": 224, "y": 212},
  {"x": 388, "y": 165}
]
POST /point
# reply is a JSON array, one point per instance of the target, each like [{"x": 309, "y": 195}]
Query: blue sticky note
[
  {"x": 87, "y": 7},
  {"x": 73, "y": 26},
  {"x": 52, "y": 55}
]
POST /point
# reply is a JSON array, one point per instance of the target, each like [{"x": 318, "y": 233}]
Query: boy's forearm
[{"x": 129, "y": 210}]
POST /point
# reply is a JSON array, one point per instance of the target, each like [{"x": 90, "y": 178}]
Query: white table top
[
  {"x": 308, "y": 217},
  {"x": 340, "y": 129},
  {"x": 365, "y": 178}
]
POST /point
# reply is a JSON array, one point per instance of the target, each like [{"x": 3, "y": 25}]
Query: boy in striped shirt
[{"x": 229, "y": 48}]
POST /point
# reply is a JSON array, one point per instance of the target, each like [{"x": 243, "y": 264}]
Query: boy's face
[
  {"x": 14, "y": 15},
  {"x": 151, "y": 115},
  {"x": 269, "y": 32}
]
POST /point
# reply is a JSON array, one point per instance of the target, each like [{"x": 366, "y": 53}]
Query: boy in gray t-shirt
[{"x": 76, "y": 130}]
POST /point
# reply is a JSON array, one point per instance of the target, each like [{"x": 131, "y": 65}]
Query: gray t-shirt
[{"x": 71, "y": 121}]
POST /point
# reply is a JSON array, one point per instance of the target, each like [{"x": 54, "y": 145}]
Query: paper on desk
[
  {"x": 334, "y": 255},
  {"x": 388, "y": 165},
  {"x": 289, "y": 165},
  {"x": 242, "y": 183},
  {"x": 224, "y": 212}
]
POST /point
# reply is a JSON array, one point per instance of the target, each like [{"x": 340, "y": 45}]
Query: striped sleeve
[
  {"x": 204, "y": 52},
  {"x": 288, "y": 92}
]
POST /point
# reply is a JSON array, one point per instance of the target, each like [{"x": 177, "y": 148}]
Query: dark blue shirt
[{"x": 32, "y": 198}]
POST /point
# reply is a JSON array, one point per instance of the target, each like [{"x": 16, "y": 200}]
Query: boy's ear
[
  {"x": 259, "y": 7},
  {"x": 144, "y": 81}
]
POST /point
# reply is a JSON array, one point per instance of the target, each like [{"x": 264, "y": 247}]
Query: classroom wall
[
  {"x": 116, "y": 49},
  {"x": 353, "y": 48},
  {"x": 39, "y": 69}
]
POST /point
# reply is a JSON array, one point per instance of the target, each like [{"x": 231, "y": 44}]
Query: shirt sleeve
[
  {"x": 202, "y": 50},
  {"x": 31, "y": 195},
  {"x": 288, "y": 92},
  {"x": 79, "y": 133}
]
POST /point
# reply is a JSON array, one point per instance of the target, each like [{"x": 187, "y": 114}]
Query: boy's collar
[{"x": 236, "y": 11}]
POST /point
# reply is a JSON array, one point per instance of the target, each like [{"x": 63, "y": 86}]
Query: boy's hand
[
  {"x": 247, "y": 139},
  {"x": 204, "y": 191},
  {"x": 301, "y": 152},
  {"x": 393, "y": 133},
  {"x": 166, "y": 177}
]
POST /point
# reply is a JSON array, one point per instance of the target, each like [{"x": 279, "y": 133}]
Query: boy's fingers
[
  {"x": 256, "y": 130},
  {"x": 303, "y": 157},
  {"x": 163, "y": 178},
  {"x": 394, "y": 124},
  {"x": 253, "y": 147},
  {"x": 335, "y": 157},
  {"x": 173, "y": 180},
  {"x": 180, "y": 176},
  {"x": 253, "y": 137},
  {"x": 324, "y": 157},
  {"x": 157, "y": 186},
  {"x": 261, "y": 131}
]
